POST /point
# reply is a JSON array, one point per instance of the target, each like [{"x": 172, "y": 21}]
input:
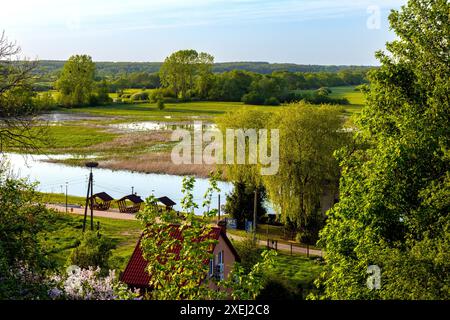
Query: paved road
[
  {"x": 115, "y": 214},
  {"x": 282, "y": 246}
]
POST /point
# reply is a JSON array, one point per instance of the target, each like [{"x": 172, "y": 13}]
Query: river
[{"x": 52, "y": 177}]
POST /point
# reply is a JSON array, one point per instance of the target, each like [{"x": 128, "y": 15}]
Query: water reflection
[{"x": 157, "y": 126}]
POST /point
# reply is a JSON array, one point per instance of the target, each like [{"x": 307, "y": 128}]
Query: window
[
  {"x": 211, "y": 267},
  {"x": 220, "y": 265}
]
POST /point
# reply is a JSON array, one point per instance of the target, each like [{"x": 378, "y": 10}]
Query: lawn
[
  {"x": 182, "y": 110},
  {"x": 65, "y": 229},
  {"x": 297, "y": 268},
  {"x": 71, "y": 138},
  {"x": 356, "y": 98},
  {"x": 297, "y": 272}
]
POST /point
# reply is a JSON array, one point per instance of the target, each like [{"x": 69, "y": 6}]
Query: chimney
[{"x": 222, "y": 224}]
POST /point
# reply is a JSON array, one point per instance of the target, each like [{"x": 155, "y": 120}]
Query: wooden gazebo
[
  {"x": 100, "y": 201},
  {"x": 126, "y": 207},
  {"x": 167, "y": 202}
]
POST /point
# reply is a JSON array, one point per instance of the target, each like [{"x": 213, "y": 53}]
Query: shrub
[
  {"x": 253, "y": 98},
  {"x": 249, "y": 252},
  {"x": 88, "y": 284},
  {"x": 93, "y": 250},
  {"x": 160, "y": 104},
  {"x": 272, "y": 101},
  {"x": 276, "y": 288},
  {"x": 139, "y": 96}
]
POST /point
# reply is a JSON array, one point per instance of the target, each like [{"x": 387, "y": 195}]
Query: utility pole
[
  {"x": 218, "y": 209},
  {"x": 132, "y": 190},
  {"x": 66, "y": 195},
  {"x": 89, "y": 196},
  {"x": 254, "y": 216}
]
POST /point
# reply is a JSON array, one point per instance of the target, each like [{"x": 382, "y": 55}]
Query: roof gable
[
  {"x": 133, "y": 198},
  {"x": 166, "y": 201},
  {"x": 135, "y": 273},
  {"x": 103, "y": 196}
]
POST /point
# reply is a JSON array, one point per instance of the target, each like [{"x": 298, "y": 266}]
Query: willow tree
[
  {"x": 394, "y": 205},
  {"x": 308, "y": 137}
]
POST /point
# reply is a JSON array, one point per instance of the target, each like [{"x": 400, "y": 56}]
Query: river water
[{"x": 52, "y": 177}]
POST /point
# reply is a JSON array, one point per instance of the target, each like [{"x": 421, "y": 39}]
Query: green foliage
[
  {"x": 76, "y": 82},
  {"x": 308, "y": 137},
  {"x": 394, "y": 205},
  {"x": 272, "y": 101},
  {"x": 93, "y": 250},
  {"x": 45, "y": 101},
  {"x": 22, "y": 259},
  {"x": 249, "y": 252},
  {"x": 172, "y": 277},
  {"x": 160, "y": 104},
  {"x": 243, "y": 285},
  {"x": 240, "y": 202},
  {"x": 140, "y": 96},
  {"x": 186, "y": 71},
  {"x": 102, "y": 93}
]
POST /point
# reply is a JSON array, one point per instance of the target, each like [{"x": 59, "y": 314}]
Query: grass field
[
  {"x": 297, "y": 268},
  {"x": 356, "y": 98},
  {"x": 62, "y": 234}
]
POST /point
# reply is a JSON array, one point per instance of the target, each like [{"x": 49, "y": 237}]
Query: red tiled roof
[{"x": 135, "y": 274}]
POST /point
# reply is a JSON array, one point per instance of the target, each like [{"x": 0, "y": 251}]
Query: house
[{"x": 136, "y": 276}]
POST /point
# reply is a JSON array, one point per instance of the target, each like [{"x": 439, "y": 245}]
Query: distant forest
[
  {"x": 254, "y": 83},
  {"x": 114, "y": 68}
]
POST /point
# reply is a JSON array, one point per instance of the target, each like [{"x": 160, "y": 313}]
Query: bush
[
  {"x": 249, "y": 253},
  {"x": 160, "y": 104},
  {"x": 139, "y": 96},
  {"x": 276, "y": 288},
  {"x": 272, "y": 101},
  {"x": 239, "y": 203},
  {"x": 161, "y": 94},
  {"x": 22, "y": 258},
  {"x": 45, "y": 101},
  {"x": 253, "y": 98},
  {"x": 92, "y": 251}
]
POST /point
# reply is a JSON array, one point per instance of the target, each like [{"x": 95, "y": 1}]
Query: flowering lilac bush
[{"x": 87, "y": 284}]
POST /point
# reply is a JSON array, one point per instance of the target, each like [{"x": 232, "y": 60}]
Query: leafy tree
[
  {"x": 76, "y": 82},
  {"x": 160, "y": 104},
  {"x": 102, "y": 93},
  {"x": 22, "y": 258},
  {"x": 308, "y": 137},
  {"x": 183, "y": 70},
  {"x": 17, "y": 106},
  {"x": 394, "y": 205},
  {"x": 172, "y": 277},
  {"x": 230, "y": 86},
  {"x": 240, "y": 202}
]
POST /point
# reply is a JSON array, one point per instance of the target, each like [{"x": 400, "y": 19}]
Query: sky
[{"x": 342, "y": 32}]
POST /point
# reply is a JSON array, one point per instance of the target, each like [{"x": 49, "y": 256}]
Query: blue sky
[{"x": 296, "y": 31}]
